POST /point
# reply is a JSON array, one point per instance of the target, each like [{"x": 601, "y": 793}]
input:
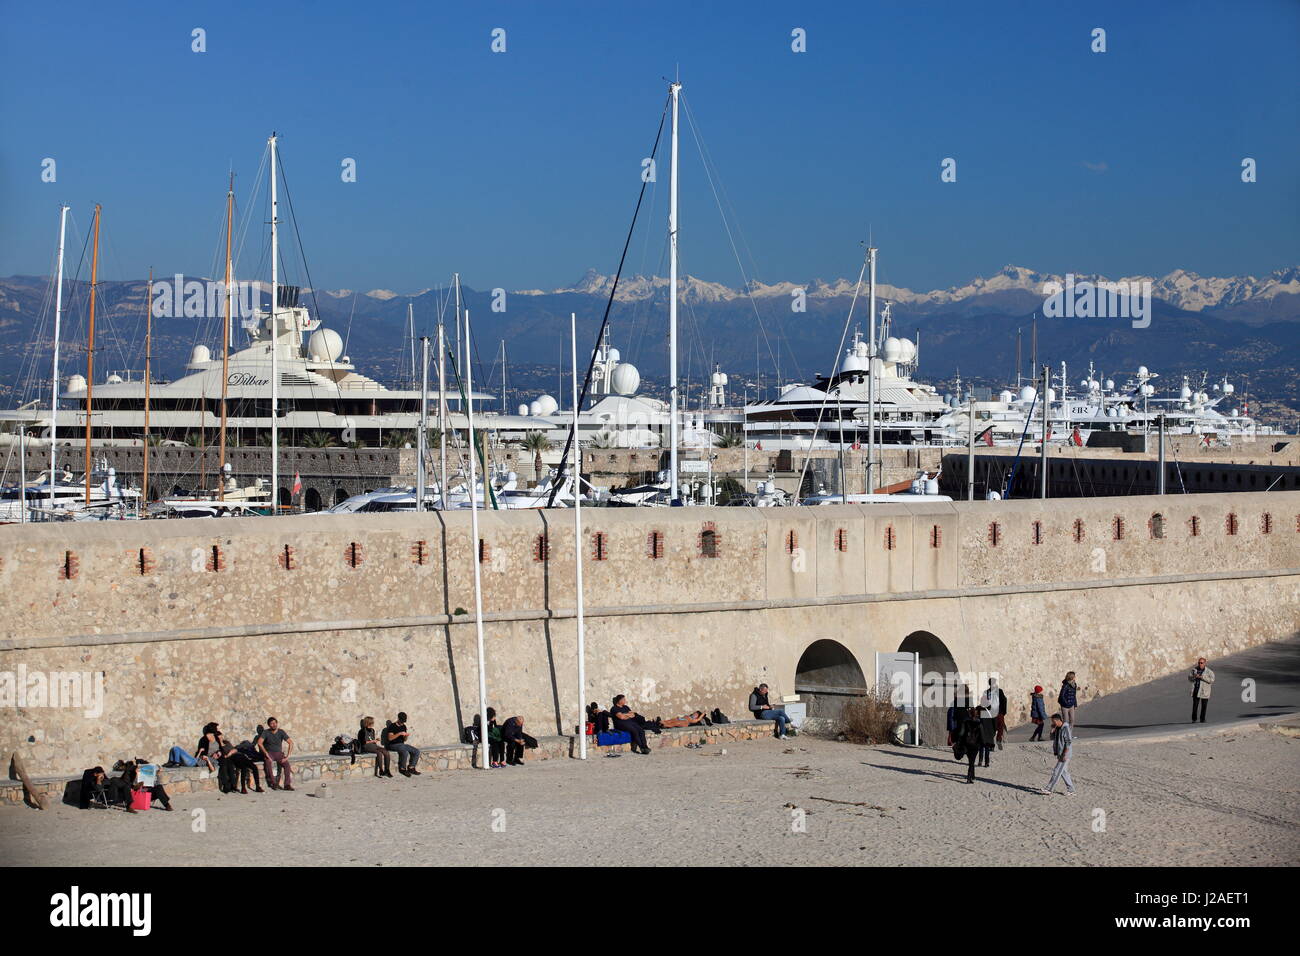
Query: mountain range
[{"x": 1246, "y": 327}]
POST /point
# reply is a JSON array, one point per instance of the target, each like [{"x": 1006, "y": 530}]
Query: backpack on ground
[
  {"x": 718, "y": 717},
  {"x": 344, "y": 746}
]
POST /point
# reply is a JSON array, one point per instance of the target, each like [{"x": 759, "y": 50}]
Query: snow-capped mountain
[{"x": 1180, "y": 288}]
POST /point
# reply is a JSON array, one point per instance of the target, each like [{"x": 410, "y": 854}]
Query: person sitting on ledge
[
  {"x": 630, "y": 722},
  {"x": 209, "y": 747},
  {"x": 271, "y": 742},
  {"x": 396, "y": 738},
  {"x": 598, "y": 716},
  {"x": 366, "y": 743},
  {"x": 513, "y": 737},
  {"x": 762, "y": 709}
]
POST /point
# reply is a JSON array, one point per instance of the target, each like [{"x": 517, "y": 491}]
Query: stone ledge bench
[{"x": 328, "y": 767}]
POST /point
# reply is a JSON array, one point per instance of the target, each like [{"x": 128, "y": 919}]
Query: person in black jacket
[
  {"x": 512, "y": 735},
  {"x": 596, "y": 715},
  {"x": 970, "y": 742},
  {"x": 93, "y": 781},
  {"x": 630, "y": 722}
]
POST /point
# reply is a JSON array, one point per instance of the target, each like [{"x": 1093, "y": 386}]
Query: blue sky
[{"x": 520, "y": 169}]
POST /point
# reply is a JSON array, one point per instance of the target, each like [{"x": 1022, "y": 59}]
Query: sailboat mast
[
  {"x": 442, "y": 415},
  {"x": 871, "y": 372},
  {"x": 90, "y": 348},
  {"x": 58, "y": 331},
  {"x": 422, "y": 440},
  {"x": 148, "y": 365},
  {"x": 275, "y": 340},
  {"x": 674, "y": 89},
  {"x": 410, "y": 336},
  {"x": 225, "y": 340}
]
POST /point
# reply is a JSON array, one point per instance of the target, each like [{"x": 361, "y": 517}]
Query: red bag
[
  {"x": 591, "y": 728},
  {"x": 140, "y": 799}
]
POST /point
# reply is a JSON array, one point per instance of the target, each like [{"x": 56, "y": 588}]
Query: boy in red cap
[{"x": 1037, "y": 712}]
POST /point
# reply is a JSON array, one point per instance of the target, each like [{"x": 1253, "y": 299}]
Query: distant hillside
[{"x": 1244, "y": 327}]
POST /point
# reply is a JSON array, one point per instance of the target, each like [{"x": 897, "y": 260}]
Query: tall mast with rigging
[
  {"x": 90, "y": 348},
  {"x": 148, "y": 365},
  {"x": 58, "y": 330},
  {"x": 225, "y": 341},
  {"x": 275, "y": 340},
  {"x": 674, "y": 89}
]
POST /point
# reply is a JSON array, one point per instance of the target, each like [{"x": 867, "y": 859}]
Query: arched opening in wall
[
  {"x": 340, "y": 496},
  {"x": 286, "y": 499},
  {"x": 828, "y": 677},
  {"x": 940, "y": 685},
  {"x": 312, "y": 500}
]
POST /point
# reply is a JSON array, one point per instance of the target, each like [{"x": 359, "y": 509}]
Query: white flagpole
[
  {"x": 474, "y": 556},
  {"x": 674, "y": 89},
  {"x": 577, "y": 550},
  {"x": 275, "y": 341}
]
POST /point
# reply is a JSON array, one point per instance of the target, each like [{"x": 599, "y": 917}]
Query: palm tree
[
  {"x": 397, "y": 438},
  {"x": 731, "y": 440},
  {"x": 317, "y": 439},
  {"x": 536, "y": 442}
]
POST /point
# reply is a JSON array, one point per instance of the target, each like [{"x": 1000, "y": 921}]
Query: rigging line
[
  {"x": 604, "y": 323},
  {"x": 302, "y": 252},
  {"x": 749, "y": 290},
  {"x": 812, "y": 437}
]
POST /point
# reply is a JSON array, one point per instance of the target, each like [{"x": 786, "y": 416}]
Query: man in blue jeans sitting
[
  {"x": 396, "y": 739},
  {"x": 762, "y": 709}
]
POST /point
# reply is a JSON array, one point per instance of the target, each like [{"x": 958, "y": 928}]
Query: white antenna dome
[
  {"x": 534, "y": 408},
  {"x": 547, "y": 405},
  {"x": 907, "y": 353},
  {"x": 200, "y": 354},
  {"x": 325, "y": 345},
  {"x": 614, "y": 355},
  {"x": 1142, "y": 371},
  {"x": 113, "y": 379},
  {"x": 626, "y": 379},
  {"x": 76, "y": 383},
  {"x": 1005, "y": 396},
  {"x": 893, "y": 350},
  {"x": 1110, "y": 384},
  {"x": 523, "y": 410},
  {"x": 1028, "y": 393},
  {"x": 1236, "y": 412},
  {"x": 1228, "y": 388},
  {"x": 1051, "y": 394},
  {"x": 1185, "y": 393},
  {"x": 853, "y": 363},
  {"x": 1148, "y": 389}
]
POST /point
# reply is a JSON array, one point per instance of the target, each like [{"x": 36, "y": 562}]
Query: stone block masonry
[{"x": 323, "y": 619}]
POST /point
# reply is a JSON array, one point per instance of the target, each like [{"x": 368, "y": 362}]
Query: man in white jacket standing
[{"x": 1201, "y": 677}]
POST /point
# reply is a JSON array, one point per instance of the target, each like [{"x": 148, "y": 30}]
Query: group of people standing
[{"x": 974, "y": 731}]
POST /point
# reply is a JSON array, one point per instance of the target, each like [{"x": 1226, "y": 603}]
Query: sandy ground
[{"x": 1212, "y": 800}]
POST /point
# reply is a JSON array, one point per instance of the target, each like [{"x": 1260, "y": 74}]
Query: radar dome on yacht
[
  {"x": 1142, "y": 371},
  {"x": 1005, "y": 396},
  {"x": 1051, "y": 394},
  {"x": 325, "y": 345},
  {"x": 534, "y": 408},
  {"x": 199, "y": 354},
  {"x": 1148, "y": 389},
  {"x": 893, "y": 350},
  {"x": 1228, "y": 388},
  {"x": 1236, "y": 412},
  {"x": 547, "y": 405},
  {"x": 523, "y": 409},
  {"x": 1028, "y": 393},
  {"x": 853, "y": 363},
  {"x": 626, "y": 379},
  {"x": 76, "y": 383},
  {"x": 1110, "y": 384},
  {"x": 907, "y": 351},
  {"x": 113, "y": 379},
  {"x": 1185, "y": 393},
  {"x": 615, "y": 355},
  {"x": 954, "y": 401}
]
